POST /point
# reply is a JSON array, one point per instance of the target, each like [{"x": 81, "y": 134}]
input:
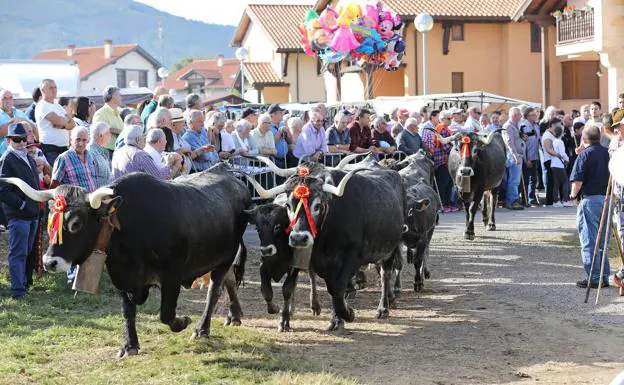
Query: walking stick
[
  {"x": 524, "y": 191},
  {"x": 618, "y": 241},
  {"x": 606, "y": 246},
  {"x": 591, "y": 269},
  {"x": 435, "y": 183}
]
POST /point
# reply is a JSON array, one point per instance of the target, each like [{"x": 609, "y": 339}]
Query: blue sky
[{"x": 229, "y": 12}]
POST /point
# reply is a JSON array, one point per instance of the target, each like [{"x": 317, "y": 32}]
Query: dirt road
[{"x": 502, "y": 309}]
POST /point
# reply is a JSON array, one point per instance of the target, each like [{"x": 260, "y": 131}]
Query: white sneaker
[
  {"x": 557, "y": 204},
  {"x": 568, "y": 204}
]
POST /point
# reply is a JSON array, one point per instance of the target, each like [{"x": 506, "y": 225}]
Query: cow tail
[{"x": 239, "y": 263}]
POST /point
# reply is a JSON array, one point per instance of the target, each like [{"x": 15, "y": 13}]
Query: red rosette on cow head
[
  {"x": 301, "y": 191},
  {"x": 55, "y": 224},
  {"x": 465, "y": 148},
  {"x": 304, "y": 171}
]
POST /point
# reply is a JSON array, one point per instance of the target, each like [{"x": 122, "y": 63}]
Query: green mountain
[{"x": 29, "y": 26}]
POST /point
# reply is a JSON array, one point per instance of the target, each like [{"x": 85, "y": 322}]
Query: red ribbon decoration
[
  {"x": 304, "y": 171},
  {"x": 465, "y": 149},
  {"x": 302, "y": 193},
  {"x": 55, "y": 224}
]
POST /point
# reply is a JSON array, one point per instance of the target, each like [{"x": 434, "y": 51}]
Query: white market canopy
[{"x": 22, "y": 76}]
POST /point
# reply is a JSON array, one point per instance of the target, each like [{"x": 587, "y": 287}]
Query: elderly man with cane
[{"x": 590, "y": 178}]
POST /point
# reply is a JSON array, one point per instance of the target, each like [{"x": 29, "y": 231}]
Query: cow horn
[
  {"x": 265, "y": 194},
  {"x": 487, "y": 140},
  {"x": 348, "y": 159},
  {"x": 339, "y": 190},
  {"x": 446, "y": 140},
  {"x": 95, "y": 198},
  {"x": 36, "y": 195},
  {"x": 283, "y": 172}
]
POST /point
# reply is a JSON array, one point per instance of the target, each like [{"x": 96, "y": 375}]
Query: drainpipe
[{"x": 297, "y": 69}]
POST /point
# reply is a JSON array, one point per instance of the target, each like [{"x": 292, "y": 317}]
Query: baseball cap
[
  {"x": 455, "y": 110},
  {"x": 176, "y": 114},
  {"x": 17, "y": 130},
  {"x": 249, "y": 111},
  {"x": 275, "y": 108},
  {"x": 403, "y": 112}
]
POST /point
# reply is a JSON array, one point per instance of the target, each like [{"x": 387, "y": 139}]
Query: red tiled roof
[
  {"x": 89, "y": 59},
  {"x": 263, "y": 74},
  {"x": 487, "y": 9},
  {"x": 280, "y": 22},
  {"x": 226, "y": 75}
]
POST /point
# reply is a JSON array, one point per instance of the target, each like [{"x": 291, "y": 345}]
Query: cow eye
[
  {"x": 316, "y": 208},
  {"x": 276, "y": 229},
  {"x": 74, "y": 224},
  {"x": 288, "y": 206}
]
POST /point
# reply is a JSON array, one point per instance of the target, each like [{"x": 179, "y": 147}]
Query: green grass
[{"x": 56, "y": 338}]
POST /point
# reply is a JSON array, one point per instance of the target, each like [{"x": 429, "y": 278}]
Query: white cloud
[{"x": 226, "y": 12}]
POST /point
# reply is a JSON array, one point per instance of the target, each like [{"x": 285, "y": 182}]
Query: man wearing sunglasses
[{"x": 22, "y": 212}]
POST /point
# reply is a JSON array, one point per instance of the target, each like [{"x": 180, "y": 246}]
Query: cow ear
[
  {"x": 110, "y": 206},
  {"x": 251, "y": 213},
  {"x": 421, "y": 205}
]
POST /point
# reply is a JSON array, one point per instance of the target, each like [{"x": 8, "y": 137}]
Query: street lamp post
[
  {"x": 163, "y": 73},
  {"x": 242, "y": 54},
  {"x": 424, "y": 24}
]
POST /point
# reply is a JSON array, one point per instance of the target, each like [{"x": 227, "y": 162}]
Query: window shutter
[
  {"x": 121, "y": 78},
  {"x": 536, "y": 38},
  {"x": 457, "y": 82},
  {"x": 143, "y": 79},
  {"x": 579, "y": 80}
]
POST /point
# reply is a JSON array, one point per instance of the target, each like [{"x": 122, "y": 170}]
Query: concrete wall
[
  {"x": 387, "y": 83},
  {"x": 259, "y": 46},
  {"x": 305, "y": 86},
  {"x": 275, "y": 95},
  {"x": 108, "y": 75}
]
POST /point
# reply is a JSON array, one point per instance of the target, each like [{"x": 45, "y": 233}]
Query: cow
[
  {"x": 476, "y": 164},
  {"x": 164, "y": 234},
  {"x": 271, "y": 221},
  {"x": 356, "y": 221}
]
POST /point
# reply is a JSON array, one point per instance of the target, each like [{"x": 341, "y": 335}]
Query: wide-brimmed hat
[{"x": 176, "y": 115}]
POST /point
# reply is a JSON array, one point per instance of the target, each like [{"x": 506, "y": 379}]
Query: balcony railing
[{"x": 575, "y": 27}]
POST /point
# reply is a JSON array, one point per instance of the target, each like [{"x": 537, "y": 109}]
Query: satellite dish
[{"x": 616, "y": 166}]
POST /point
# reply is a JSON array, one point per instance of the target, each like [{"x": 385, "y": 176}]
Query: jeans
[
  {"x": 513, "y": 181},
  {"x": 550, "y": 183},
  {"x": 445, "y": 184},
  {"x": 530, "y": 180},
  {"x": 21, "y": 237},
  {"x": 588, "y": 220}
]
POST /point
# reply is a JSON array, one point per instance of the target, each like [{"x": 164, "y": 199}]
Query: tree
[{"x": 186, "y": 60}]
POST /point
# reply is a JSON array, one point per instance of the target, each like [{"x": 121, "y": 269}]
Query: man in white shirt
[
  {"x": 472, "y": 123},
  {"x": 53, "y": 122},
  {"x": 263, "y": 136},
  {"x": 456, "y": 120}
]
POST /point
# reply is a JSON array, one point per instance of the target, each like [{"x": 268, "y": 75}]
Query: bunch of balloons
[{"x": 368, "y": 35}]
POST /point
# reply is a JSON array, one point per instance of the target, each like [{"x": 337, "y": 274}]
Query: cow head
[
  {"x": 411, "y": 231},
  {"x": 469, "y": 148},
  {"x": 271, "y": 222},
  {"x": 308, "y": 198},
  {"x": 74, "y": 222}
]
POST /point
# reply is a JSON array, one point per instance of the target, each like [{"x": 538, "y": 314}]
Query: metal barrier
[{"x": 256, "y": 169}]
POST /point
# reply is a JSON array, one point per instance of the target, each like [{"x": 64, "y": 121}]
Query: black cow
[
  {"x": 477, "y": 164},
  {"x": 166, "y": 234},
  {"x": 271, "y": 221},
  {"x": 358, "y": 221}
]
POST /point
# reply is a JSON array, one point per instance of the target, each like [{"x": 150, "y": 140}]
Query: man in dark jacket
[{"x": 22, "y": 212}]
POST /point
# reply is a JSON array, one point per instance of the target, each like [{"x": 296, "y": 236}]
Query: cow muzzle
[
  {"x": 268, "y": 251},
  {"x": 55, "y": 264},
  {"x": 300, "y": 239},
  {"x": 466, "y": 171}
]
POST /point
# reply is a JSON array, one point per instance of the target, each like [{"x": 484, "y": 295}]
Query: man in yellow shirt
[{"x": 109, "y": 114}]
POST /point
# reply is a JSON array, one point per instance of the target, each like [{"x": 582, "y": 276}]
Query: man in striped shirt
[{"x": 76, "y": 166}]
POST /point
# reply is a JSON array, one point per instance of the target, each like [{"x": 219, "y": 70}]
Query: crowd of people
[{"x": 60, "y": 141}]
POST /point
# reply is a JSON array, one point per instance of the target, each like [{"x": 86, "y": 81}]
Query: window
[
  {"x": 457, "y": 82},
  {"x": 124, "y": 77},
  {"x": 457, "y": 32},
  {"x": 536, "y": 38},
  {"x": 579, "y": 80}
]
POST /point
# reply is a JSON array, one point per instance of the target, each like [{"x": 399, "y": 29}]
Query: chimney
[
  {"x": 108, "y": 48},
  {"x": 220, "y": 60},
  {"x": 70, "y": 50}
]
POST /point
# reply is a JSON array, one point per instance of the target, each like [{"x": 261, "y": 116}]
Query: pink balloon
[{"x": 344, "y": 41}]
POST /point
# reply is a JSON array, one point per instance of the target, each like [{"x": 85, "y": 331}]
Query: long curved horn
[
  {"x": 95, "y": 198},
  {"x": 265, "y": 194},
  {"x": 339, "y": 190},
  {"x": 36, "y": 195},
  {"x": 283, "y": 172},
  {"x": 487, "y": 140},
  {"x": 348, "y": 159},
  {"x": 446, "y": 140}
]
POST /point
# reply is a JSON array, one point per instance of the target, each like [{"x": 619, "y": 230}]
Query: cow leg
[
  {"x": 493, "y": 198},
  {"x": 131, "y": 346},
  {"x": 169, "y": 294},
  {"x": 235, "y": 313},
  {"x": 484, "y": 213},
  {"x": 212, "y": 297},
  {"x": 288, "y": 290},
  {"x": 336, "y": 286},
  {"x": 396, "y": 273},
  {"x": 351, "y": 291},
  {"x": 471, "y": 212},
  {"x": 419, "y": 267},
  {"x": 315, "y": 304},
  {"x": 267, "y": 290},
  {"x": 386, "y": 274}
]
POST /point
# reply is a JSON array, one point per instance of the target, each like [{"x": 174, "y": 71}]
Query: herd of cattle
[{"x": 335, "y": 220}]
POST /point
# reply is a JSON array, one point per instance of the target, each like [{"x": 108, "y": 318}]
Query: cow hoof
[
  {"x": 397, "y": 292},
  {"x": 127, "y": 351},
  {"x": 273, "y": 308},
  {"x": 418, "y": 286},
  {"x": 392, "y": 303},
  {"x": 335, "y": 325},
  {"x": 197, "y": 334},
  {"x": 469, "y": 236},
  {"x": 492, "y": 227},
  {"x": 382, "y": 313},
  {"x": 350, "y": 294},
  {"x": 283, "y": 327},
  {"x": 179, "y": 324},
  {"x": 427, "y": 274},
  {"x": 316, "y": 308},
  {"x": 350, "y": 315},
  {"x": 232, "y": 321}
]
